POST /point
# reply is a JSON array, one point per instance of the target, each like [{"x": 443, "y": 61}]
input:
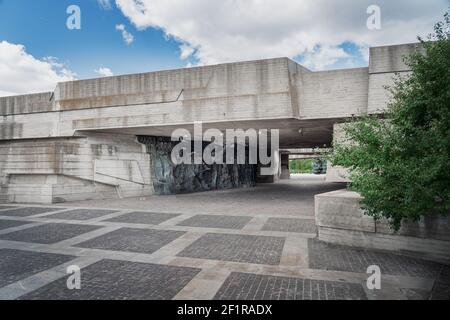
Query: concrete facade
[
  {"x": 341, "y": 220},
  {"x": 80, "y": 141}
]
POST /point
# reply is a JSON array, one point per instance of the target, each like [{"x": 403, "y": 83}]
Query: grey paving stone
[
  {"x": 343, "y": 258},
  {"x": 120, "y": 280},
  {"x": 247, "y": 286},
  {"x": 237, "y": 248},
  {"x": 16, "y": 265},
  {"x": 7, "y": 207},
  {"x": 216, "y": 221},
  {"x": 27, "y": 211},
  {"x": 5, "y": 224},
  {"x": 80, "y": 214},
  {"x": 441, "y": 289},
  {"x": 290, "y": 225},
  {"x": 48, "y": 233},
  {"x": 143, "y": 217},
  {"x": 133, "y": 240}
]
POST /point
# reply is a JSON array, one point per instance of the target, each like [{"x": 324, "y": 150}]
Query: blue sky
[
  {"x": 40, "y": 25},
  {"x": 320, "y": 34}
]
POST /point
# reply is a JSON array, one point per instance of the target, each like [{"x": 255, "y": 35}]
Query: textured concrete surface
[
  {"x": 341, "y": 220},
  {"x": 104, "y": 280},
  {"x": 80, "y": 141},
  {"x": 132, "y": 240},
  {"x": 247, "y": 286},
  {"x": 216, "y": 221},
  {"x": 80, "y": 214},
  {"x": 126, "y": 256},
  {"x": 16, "y": 264},
  {"x": 291, "y": 225},
  {"x": 27, "y": 211},
  {"x": 237, "y": 248},
  {"x": 48, "y": 233},
  {"x": 144, "y": 217},
  {"x": 6, "y": 224}
]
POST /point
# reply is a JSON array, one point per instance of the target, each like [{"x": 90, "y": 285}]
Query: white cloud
[
  {"x": 230, "y": 30},
  {"x": 127, "y": 37},
  {"x": 323, "y": 56},
  {"x": 105, "y": 4},
  {"x": 104, "y": 72},
  {"x": 23, "y": 73},
  {"x": 186, "y": 51}
]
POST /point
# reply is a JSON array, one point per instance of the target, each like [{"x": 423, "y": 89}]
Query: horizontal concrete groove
[{"x": 88, "y": 108}]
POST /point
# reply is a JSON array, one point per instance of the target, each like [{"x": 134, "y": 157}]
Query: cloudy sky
[{"x": 37, "y": 50}]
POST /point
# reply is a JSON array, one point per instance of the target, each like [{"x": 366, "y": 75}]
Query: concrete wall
[
  {"x": 255, "y": 90},
  {"x": 332, "y": 94},
  {"x": 341, "y": 220},
  {"x": 385, "y": 62},
  {"x": 169, "y": 178},
  {"x": 252, "y": 90},
  {"x": 38, "y": 132},
  {"x": 92, "y": 166},
  {"x": 337, "y": 173}
]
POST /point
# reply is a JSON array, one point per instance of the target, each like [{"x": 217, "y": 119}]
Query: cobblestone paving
[
  {"x": 343, "y": 258},
  {"x": 133, "y": 240},
  {"x": 246, "y": 286},
  {"x": 441, "y": 290},
  {"x": 216, "y": 221},
  {"x": 48, "y": 233},
  {"x": 120, "y": 280},
  {"x": 144, "y": 217},
  {"x": 6, "y": 224},
  {"x": 28, "y": 211},
  {"x": 237, "y": 248},
  {"x": 291, "y": 225},
  {"x": 16, "y": 264},
  {"x": 80, "y": 214},
  {"x": 267, "y": 252},
  {"x": 6, "y": 207}
]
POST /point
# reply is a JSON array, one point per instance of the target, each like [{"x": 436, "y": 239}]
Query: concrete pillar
[
  {"x": 284, "y": 163},
  {"x": 274, "y": 169},
  {"x": 336, "y": 173}
]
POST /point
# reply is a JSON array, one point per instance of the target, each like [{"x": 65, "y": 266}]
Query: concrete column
[
  {"x": 336, "y": 173},
  {"x": 284, "y": 163}
]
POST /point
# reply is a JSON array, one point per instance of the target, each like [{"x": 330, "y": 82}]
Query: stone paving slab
[
  {"x": 16, "y": 265},
  {"x": 132, "y": 240},
  {"x": 48, "y": 233},
  {"x": 441, "y": 290},
  {"x": 80, "y": 214},
  {"x": 290, "y": 225},
  {"x": 27, "y": 211},
  {"x": 143, "y": 218},
  {"x": 7, "y": 207},
  {"x": 237, "y": 248},
  {"x": 343, "y": 258},
  {"x": 248, "y": 286},
  {"x": 120, "y": 280},
  {"x": 6, "y": 224},
  {"x": 216, "y": 221}
]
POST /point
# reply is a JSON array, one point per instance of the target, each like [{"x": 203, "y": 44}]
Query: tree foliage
[{"x": 401, "y": 164}]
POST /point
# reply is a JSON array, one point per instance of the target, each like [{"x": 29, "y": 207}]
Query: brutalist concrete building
[{"x": 110, "y": 137}]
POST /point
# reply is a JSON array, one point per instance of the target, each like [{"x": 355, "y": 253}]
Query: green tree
[{"x": 401, "y": 164}]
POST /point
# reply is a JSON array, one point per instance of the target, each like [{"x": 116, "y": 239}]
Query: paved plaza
[{"x": 244, "y": 244}]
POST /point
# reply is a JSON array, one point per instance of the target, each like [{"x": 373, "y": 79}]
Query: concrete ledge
[{"x": 340, "y": 220}]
